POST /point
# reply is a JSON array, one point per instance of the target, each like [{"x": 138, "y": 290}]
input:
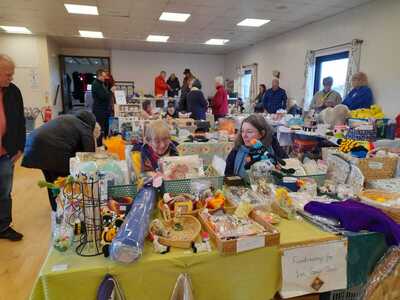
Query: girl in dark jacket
[
  {"x": 50, "y": 146},
  {"x": 196, "y": 103},
  {"x": 253, "y": 127},
  {"x": 173, "y": 82}
]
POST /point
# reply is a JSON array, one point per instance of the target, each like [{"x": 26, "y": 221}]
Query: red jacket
[
  {"x": 220, "y": 102},
  {"x": 160, "y": 86}
]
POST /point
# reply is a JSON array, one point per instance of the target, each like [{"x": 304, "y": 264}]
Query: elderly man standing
[
  {"x": 275, "y": 98},
  {"x": 12, "y": 142},
  {"x": 327, "y": 97}
]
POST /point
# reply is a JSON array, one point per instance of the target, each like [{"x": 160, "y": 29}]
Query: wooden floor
[{"x": 20, "y": 262}]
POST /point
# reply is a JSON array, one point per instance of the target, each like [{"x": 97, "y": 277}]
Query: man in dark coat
[
  {"x": 50, "y": 146},
  {"x": 12, "y": 141},
  {"x": 185, "y": 90},
  {"x": 102, "y": 99}
]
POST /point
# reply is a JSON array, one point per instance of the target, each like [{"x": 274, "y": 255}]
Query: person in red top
[
  {"x": 219, "y": 103},
  {"x": 160, "y": 86}
]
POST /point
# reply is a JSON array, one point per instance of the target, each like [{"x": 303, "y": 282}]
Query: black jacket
[
  {"x": 175, "y": 87},
  {"x": 101, "y": 96},
  {"x": 196, "y": 104},
  {"x": 14, "y": 139},
  {"x": 50, "y": 146},
  {"x": 230, "y": 160}
]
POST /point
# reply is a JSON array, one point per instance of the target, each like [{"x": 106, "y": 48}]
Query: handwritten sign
[
  {"x": 314, "y": 269},
  {"x": 120, "y": 97}
]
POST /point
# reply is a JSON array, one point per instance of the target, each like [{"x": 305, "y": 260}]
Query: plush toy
[
  {"x": 337, "y": 115},
  {"x": 357, "y": 149}
]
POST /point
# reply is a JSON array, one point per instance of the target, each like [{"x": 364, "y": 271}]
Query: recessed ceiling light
[
  {"x": 16, "y": 29},
  {"x": 91, "y": 34},
  {"x": 218, "y": 42},
  {"x": 174, "y": 17},
  {"x": 81, "y": 9},
  {"x": 157, "y": 38},
  {"x": 253, "y": 22}
]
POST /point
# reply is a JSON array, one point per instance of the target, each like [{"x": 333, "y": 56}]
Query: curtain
[
  {"x": 309, "y": 74},
  {"x": 238, "y": 80},
  {"x": 254, "y": 81},
  {"x": 354, "y": 62}
]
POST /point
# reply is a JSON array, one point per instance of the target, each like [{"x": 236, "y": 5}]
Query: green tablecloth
[
  {"x": 249, "y": 275},
  {"x": 206, "y": 150}
]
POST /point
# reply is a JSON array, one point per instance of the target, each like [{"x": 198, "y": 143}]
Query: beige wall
[{"x": 377, "y": 23}]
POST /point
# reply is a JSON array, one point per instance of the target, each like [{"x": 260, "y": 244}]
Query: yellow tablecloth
[{"x": 249, "y": 275}]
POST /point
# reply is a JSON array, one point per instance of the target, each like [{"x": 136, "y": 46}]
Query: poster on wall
[
  {"x": 120, "y": 97},
  {"x": 314, "y": 269},
  {"x": 34, "y": 78}
]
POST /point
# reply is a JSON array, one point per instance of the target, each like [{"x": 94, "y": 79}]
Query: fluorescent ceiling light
[
  {"x": 91, "y": 34},
  {"x": 81, "y": 9},
  {"x": 219, "y": 42},
  {"x": 174, "y": 17},
  {"x": 157, "y": 38},
  {"x": 16, "y": 29},
  {"x": 253, "y": 22}
]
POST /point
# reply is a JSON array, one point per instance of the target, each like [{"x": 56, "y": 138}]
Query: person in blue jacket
[
  {"x": 361, "y": 95},
  {"x": 275, "y": 98}
]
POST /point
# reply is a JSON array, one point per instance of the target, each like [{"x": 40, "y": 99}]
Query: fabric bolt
[
  {"x": 360, "y": 97},
  {"x": 356, "y": 216},
  {"x": 275, "y": 100},
  {"x": 6, "y": 181}
]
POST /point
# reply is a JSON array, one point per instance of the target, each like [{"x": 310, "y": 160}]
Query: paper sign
[
  {"x": 59, "y": 268},
  {"x": 219, "y": 165},
  {"x": 375, "y": 165},
  {"x": 120, "y": 97},
  {"x": 250, "y": 243},
  {"x": 314, "y": 269}
]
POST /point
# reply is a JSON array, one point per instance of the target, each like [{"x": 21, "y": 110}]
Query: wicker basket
[
  {"x": 374, "y": 168},
  {"x": 180, "y": 186}
]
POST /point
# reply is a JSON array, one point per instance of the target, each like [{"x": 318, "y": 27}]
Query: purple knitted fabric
[{"x": 356, "y": 216}]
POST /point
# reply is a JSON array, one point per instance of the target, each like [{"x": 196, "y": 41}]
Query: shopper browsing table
[
  {"x": 160, "y": 86},
  {"x": 174, "y": 84},
  {"x": 275, "y": 98},
  {"x": 102, "y": 98},
  {"x": 12, "y": 142},
  {"x": 182, "y": 106},
  {"x": 50, "y": 146},
  {"x": 258, "y": 101},
  {"x": 196, "y": 102},
  {"x": 219, "y": 103},
  {"x": 253, "y": 127}
]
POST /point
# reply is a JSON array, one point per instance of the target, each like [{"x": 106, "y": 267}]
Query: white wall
[
  {"x": 54, "y": 75},
  {"x": 377, "y": 23},
  {"x": 143, "y": 67}
]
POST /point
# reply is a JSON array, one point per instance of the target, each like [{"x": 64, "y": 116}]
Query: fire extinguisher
[{"x": 47, "y": 114}]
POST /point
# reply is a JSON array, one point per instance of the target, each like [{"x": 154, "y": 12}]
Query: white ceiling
[{"x": 126, "y": 23}]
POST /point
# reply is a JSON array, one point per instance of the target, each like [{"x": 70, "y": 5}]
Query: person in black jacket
[
  {"x": 182, "y": 106},
  {"x": 196, "y": 103},
  {"x": 50, "y": 146},
  {"x": 253, "y": 127},
  {"x": 102, "y": 99},
  {"x": 173, "y": 82},
  {"x": 12, "y": 142}
]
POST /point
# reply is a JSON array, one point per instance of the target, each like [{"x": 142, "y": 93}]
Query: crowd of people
[{"x": 273, "y": 99}]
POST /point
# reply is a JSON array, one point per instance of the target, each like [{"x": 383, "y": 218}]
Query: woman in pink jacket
[{"x": 219, "y": 103}]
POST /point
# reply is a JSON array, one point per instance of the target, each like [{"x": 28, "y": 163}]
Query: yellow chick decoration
[{"x": 375, "y": 112}]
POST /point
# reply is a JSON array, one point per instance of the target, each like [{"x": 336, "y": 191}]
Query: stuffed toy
[
  {"x": 357, "y": 149},
  {"x": 337, "y": 115}
]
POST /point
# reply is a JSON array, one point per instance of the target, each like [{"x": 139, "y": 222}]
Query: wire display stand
[{"x": 90, "y": 239}]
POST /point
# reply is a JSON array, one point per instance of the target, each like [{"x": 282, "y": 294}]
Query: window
[
  {"x": 246, "y": 85},
  {"x": 334, "y": 65}
]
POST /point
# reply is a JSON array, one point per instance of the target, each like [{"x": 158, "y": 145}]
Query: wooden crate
[{"x": 234, "y": 246}]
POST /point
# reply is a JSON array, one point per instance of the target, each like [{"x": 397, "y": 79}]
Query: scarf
[{"x": 240, "y": 161}]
